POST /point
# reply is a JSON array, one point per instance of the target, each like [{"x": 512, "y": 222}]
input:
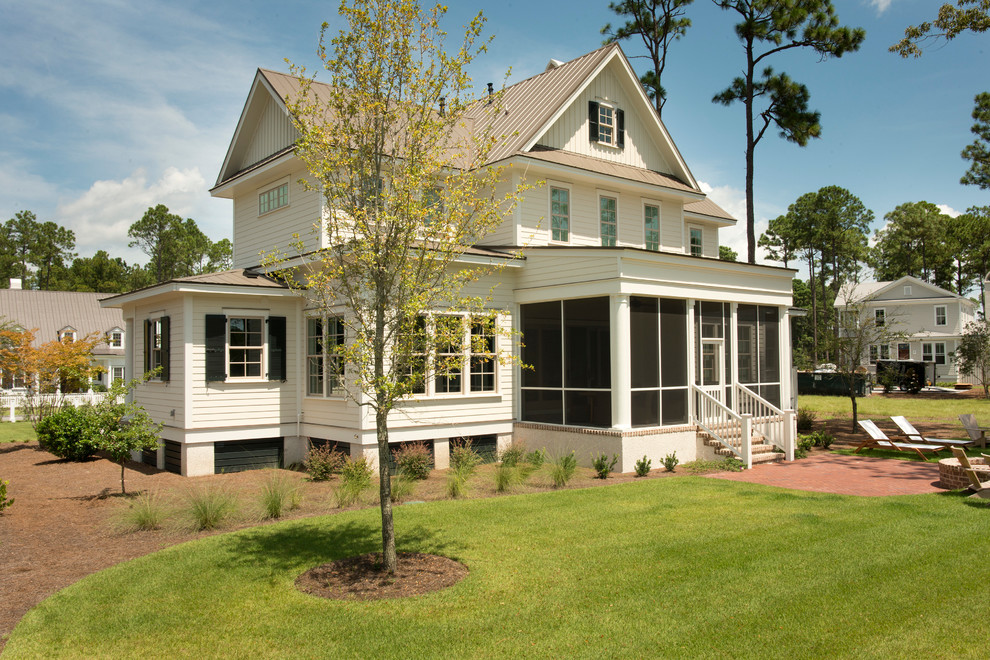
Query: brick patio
[{"x": 846, "y": 475}]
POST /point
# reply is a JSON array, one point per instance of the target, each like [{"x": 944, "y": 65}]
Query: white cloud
[
  {"x": 733, "y": 200},
  {"x": 101, "y": 216},
  {"x": 948, "y": 210}
]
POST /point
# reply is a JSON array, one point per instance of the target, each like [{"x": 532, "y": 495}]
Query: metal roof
[{"x": 50, "y": 312}]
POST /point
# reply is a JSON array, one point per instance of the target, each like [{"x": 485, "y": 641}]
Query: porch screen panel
[
  {"x": 770, "y": 354},
  {"x": 746, "y": 343},
  {"x": 587, "y": 363},
  {"x": 644, "y": 341},
  {"x": 673, "y": 361},
  {"x": 543, "y": 349}
]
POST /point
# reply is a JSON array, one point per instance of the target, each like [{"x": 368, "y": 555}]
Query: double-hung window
[
  {"x": 926, "y": 352},
  {"x": 115, "y": 338},
  {"x": 696, "y": 238},
  {"x": 879, "y": 317},
  {"x": 606, "y": 124},
  {"x": 325, "y": 364},
  {"x": 560, "y": 214},
  {"x": 482, "y": 351},
  {"x": 651, "y": 226},
  {"x": 873, "y": 353},
  {"x": 449, "y": 366},
  {"x": 607, "y": 211},
  {"x": 940, "y": 315},
  {"x": 884, "y": 351},
  {"x": 156, "y": 346},
  {"x": 246, "y": 347},
  {"x": 274, "y": 198},
  {"x": 939, "y": 352}
]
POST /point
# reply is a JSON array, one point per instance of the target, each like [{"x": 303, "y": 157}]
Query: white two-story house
[
  {"x": 642, "y": 341},
  {"x": 926, "y": 322}
]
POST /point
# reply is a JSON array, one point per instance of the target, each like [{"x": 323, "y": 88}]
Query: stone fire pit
[{"x": 953, "y": 476}]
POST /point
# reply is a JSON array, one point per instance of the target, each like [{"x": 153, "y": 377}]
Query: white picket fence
[{"x": 12, "y": 403}]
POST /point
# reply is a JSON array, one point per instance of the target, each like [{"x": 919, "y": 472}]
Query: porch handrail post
[
  {"x": 746, "y": 437},
  {"x": 790, "y": 434}
]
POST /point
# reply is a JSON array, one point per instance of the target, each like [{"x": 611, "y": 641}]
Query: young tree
[
  {"x": 407, "y": 190},
  {"x": 123, "y": 427},
  {"x": 658, "y": 23},
  {"x": 780, "y": 25},
  {"x": 978, "y": 153},
  {"x": 973, "y": 354},
  {"x": 858, "y": 331},
  {"x": 966, "y": 16}
]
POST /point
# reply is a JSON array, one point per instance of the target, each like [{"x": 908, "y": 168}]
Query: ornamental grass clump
[
  {"x": 463, "y": 458},
  {"x": 507, "y": 476},
  {"x": 562, "y": 469},
  {"x": 210, "y": 507},
  {"x": 402, "y": 487},
  {"x": 4, "y": 500},
  {"x": 513, "y": 454},
  {"x": 145, "y": 512},
  {"x": 414, "y": 460},
  {"x": 279, "y": 494},
  {"x": 355, "y": 478}
]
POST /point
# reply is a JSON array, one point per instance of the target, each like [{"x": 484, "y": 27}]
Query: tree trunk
[
  {"x": 852, "y": 397},
  {"x": 122, "y": 490},
  {"x": 814, "y": 308},
  {"x": 381, "y": 428},
  {"x": 750, "y": 148}
]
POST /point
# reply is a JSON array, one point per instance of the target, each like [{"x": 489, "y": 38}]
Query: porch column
[
  {"x": 692, "y": 356},
  {"x": 731, "y": 346},
  {"x": 786, "y": 358},
  {"x": 621, "y": 356}
]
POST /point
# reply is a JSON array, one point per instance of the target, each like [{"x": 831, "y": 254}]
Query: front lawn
[
  {"x": 686, "y": 567},
  {"x": 945, "y": 409},
  {"x": 17, "y": 432}
]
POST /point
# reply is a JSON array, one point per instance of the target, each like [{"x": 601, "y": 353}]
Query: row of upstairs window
[
  {"x": 114, "y": 338},
  {"x": 930, "y": 352},
  {"x": 560, "y": 222},
  {"x": 941, "y": 316}
]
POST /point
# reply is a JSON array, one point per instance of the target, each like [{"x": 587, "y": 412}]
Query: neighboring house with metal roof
[
  {"x": 643, "y": 341},
  {"x": 928, "y": 319},
  {"x": 55, "y": 315}
]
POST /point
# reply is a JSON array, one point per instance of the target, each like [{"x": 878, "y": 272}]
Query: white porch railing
[
  {"x": 778, "y": 426},
  {"x": 13, "y": 404},
  {"x": 725, "y": 426}
]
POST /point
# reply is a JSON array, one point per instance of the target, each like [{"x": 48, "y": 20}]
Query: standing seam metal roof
[{"x": 52, "y": 311}]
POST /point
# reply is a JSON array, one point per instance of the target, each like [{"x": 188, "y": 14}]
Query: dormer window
[
  {"x": 606, "y": 124},
  {"x": 67, "y": 335},
  {"x": 272, "y": 199},
  {"x": 115, "y": 338}
]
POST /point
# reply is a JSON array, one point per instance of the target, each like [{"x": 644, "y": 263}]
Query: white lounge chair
[
  {"x": 880, "y": 440},
  {"x": 980, "y": 489},
  {"x": 914, "y": 435}
]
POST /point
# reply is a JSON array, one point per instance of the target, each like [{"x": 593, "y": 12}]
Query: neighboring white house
[
  {"x": 66, "y": 315},
  {"x": 930, "y": 320},
  {"x": 637, "y": 332}
]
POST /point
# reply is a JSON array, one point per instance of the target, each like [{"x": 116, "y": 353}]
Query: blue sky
[{"x": 108, "y": 107}]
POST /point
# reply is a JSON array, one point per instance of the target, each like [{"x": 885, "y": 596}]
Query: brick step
[
  {"x": 756, "y": 448},
  {"x": 769, "y": 457},
  {"x": 757, "y": 439}
]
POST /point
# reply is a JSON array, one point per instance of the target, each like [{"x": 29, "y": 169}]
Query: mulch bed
[{"x": 362, "y": 578}]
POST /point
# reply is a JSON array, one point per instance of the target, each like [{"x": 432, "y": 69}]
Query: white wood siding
[
  {"x": 254, "y": 234},
  {"x": 160, "y": 398},
  {"x": 672, "y": 226},
  {"x": 273, "y": 133},
  {"x": 570, "y": 132},
  {"x": 232, "y": 404}
]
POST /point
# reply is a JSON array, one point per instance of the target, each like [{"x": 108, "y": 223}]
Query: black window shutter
[
  {"x": 147, "y": 346},
  {"x": 166, "y": 345},
  {"x": 216, "y": 346},
  {"x": 276, "y": 348},
  {"x": 593, "y": 121},
  {"x": 620, "y": 128}
]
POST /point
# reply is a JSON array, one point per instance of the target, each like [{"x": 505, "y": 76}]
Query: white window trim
[
  {"x": 884, "y": 311},
  {"x": 610, "y": 195},
  {"x": 928, "y": 348},
  {"x": 656, "y": 203},
  {"x": 570, "y": 211},
  {"x": 945, "y": 315},
  {"x": 248, "y": 314},
  {"x": 430, "y": 375},
  {"x": 110, "y": 337},
  {"x": 945, "y": 356},
  {"x": 611, "y": 106},
  {"x": 687, "y": 245},
  {"x": 273, "y": 186}
]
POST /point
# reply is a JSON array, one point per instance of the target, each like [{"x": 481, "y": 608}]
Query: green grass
[
  {"x": 683, "y": 567},
  {"x": 945, "y": 409},
  {"x": 17, "y": 432}
]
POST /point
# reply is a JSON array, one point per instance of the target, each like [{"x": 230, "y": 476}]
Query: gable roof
[
  {"x": 866, "y": 291},
  {"x": 50, "y": 312},
  {"x": 528, "y": 109}
]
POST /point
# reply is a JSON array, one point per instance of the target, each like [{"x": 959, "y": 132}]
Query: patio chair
[
  {"x": 880, "y": 440},
  {"x": 980, "y": 489},
  {"x": 977, "y": 433},
  {"x": 912, "y": 434}
]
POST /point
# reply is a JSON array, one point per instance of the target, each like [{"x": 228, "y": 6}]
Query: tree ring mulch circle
[{"x": 361, "y": 577}]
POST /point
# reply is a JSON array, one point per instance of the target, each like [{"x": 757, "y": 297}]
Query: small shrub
[
  {"x": 643, "y": 466},
  {"x": 464, "y": 458},
  {"x": 507, "y": 477},
  {"x": 804, "y": 445},
  {"x": 322, "y": 462},
  {"x": 402, "y": 487},
  {"x": 537, "y": 458},
  {"x": 355, "y": 478},
  {"x": 145, "y": 513},
  {"x": 732, "y": 464},
  {"x": 278, "y": 495},
  {"x": 4, "y": 500},
  {"x": 562, "y": 469},
  {"x": 513, "y": 454},
  {"x": 603, "y": 467},
  {"x": 211, "y": 507},
  {"x": 69, "y": 433},
  {"x": 821, "y": 438},
  {"x": 413, "y": 459},
  {"x": 670, "y": 461},
  {"x": 805, "y": 419}
]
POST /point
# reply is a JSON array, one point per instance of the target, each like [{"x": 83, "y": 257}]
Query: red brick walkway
[{"x": 845, "y": 475}]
